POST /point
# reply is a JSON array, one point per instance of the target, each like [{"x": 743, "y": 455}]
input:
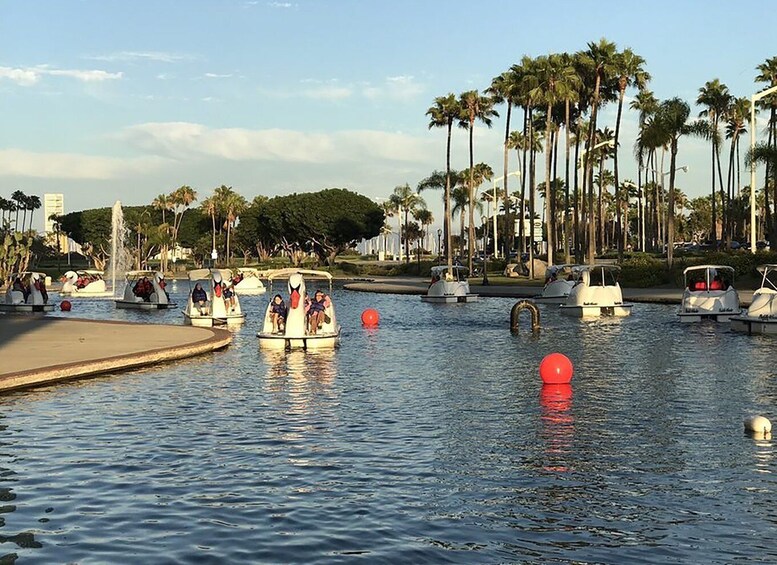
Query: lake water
[{"x": 428, "y": 439}]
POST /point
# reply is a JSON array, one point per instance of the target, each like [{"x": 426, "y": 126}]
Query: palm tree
[
  {"x": 716, "y": 98},
  {"x": 474, "y": 107},
  {"x": 736, "y": 120},
  {"x": 233, "y": 205},
  {"x": 646, "y": 104},
  {"x": 557, "y": 81},
  {"x": 767, "y": 73},
  {"x": 630, "y": 72},
  {"x": 445, "y": 111},
  {"x": 407, "y": 200},
  {"x": 599, "y": 61},
  {"x": 425, "y": 218},
  {"x": 180, "y": 199},
  {"x": 671, "y": 118},
  {"x": 19, "y": 199},
  {"x": 33, "y": 203},
  {"x": 389, "y": 208},
  {"x": 210, "y": 207}
]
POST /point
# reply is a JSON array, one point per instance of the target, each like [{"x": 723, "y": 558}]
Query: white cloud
[
  {"x": 183, "y": 140},
  {"x": 158, "y": 56},
  {"x": 285, "y": 5},
  {"x": 31, "y": 75},
  {"x": 328, "y": 92},
  {"x": 19, "y": 163},
  {"x": 214, "y": 75}
]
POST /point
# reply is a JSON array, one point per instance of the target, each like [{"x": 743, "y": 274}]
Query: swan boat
[
  {"x": 449, "y": 286},
  {"x": 144, "y": 290},
  {"x": 596, "y": 293},
  {"x": 217, "y": 308},
  {"x": 761, "y": 316},
  {"x": 559, "y": 280},
  {"x": 295, "y": 335},
  {"x": 26, "y": 293},
  {"x": 708, "y": 293},
  {"x": 249, "y": 281},
  {"x": 85, "y": 283}
]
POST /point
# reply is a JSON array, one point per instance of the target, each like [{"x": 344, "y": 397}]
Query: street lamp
[
  {"x": 439, "y": 245},
  {"x": 484, "y": 219},
  {"x": 753, "y": 99},
  {"x": 496, "y": 200}
]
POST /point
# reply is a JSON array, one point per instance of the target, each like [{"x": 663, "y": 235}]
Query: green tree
[{"x": 407, "y": 201}]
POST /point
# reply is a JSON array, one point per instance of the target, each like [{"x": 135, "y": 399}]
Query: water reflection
[{"x": 558, "y": 425}]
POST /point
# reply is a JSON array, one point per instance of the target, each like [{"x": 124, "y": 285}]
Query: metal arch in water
[{"x": 519, "y": 307}]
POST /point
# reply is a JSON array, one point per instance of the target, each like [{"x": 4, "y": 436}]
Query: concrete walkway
[
  {"x": 42, "y": 350},
  {"x": 418, "y": 286}
]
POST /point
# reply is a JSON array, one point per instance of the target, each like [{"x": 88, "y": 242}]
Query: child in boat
[
  {"x": 278, "y": 314},
  {"x": 200, "y": 299},
  {"x": 315, "y": 310},
  {"x": 19, "y": 286}
]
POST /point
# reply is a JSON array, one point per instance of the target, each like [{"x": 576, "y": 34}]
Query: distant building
[{"x": 52, "y": 204}]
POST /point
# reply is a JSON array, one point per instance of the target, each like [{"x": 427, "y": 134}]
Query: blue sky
[{"x": 106, "y": 100}]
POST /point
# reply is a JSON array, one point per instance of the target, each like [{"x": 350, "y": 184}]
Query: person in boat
[
  {"x": 200, "y": 299},
  {"x": 19, "y": 286},
  {"x": 40, "y": 285},
  {"x": 229, "y": 294},
  {"x": 315, "y": 310},
  {"x": 716, "y": 283},
  {"x": 278, "y": 314}
]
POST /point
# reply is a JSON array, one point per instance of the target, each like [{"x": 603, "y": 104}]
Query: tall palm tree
[
  {"x": 599, "y": 62},
  {"x": 630, "y": 72},
  {"x": 444, "y": 113},
  {"x": 407, "y": 200},
  {"x": 181, "y": 198},
  {"x": 671, "y": 117},
  {"x": 234, "y": 205},
  {"x": 736, "y": 125},
  {"x": 767, "y": 73},
  {"x": 389, "y": 209},
  {"x": 646, "y": 105},
  {"x": 210, "y": 207},
  {"x": 715, "y": 97},
  {"x": 19, "y": 199},
  {"x": 424, "y": 217},
  {"x": 557, "y": 82},
  {"x": 33, "y": 203},
  {"x": 474, "y": 107}
]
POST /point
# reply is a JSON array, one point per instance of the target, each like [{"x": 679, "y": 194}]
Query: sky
[{"x": 106, "y": 100}]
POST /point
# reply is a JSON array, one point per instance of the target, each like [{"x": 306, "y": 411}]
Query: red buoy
[
  {"x": 65, "y": 306},
  {"x": 370, "y": 317},
  {"x": 556, "y": 368}
]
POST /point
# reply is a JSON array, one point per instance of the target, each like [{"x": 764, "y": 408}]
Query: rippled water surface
[{"x": 427, "y": 439}]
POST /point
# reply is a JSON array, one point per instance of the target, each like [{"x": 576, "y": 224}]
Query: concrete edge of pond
[{"x": 44, "y": 350}]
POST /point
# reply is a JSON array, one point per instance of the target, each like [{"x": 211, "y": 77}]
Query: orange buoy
[
  {"x": 65, "y": 306},
  {"x": 370, "y": 317},
  {"x": 556, "y": 368}
]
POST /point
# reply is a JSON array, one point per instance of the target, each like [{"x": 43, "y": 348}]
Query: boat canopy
[
  {"x": 89, "y": 272},
  {"x": 203, "y": 274},
  {"x": 708, "y": 267},
  {"x": 286, "y": 273},
  {"x": 139, "y": 274}
]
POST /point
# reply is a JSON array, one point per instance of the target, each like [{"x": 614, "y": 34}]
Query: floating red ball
[
  {"x": 370, "y": 317},
  {"x": 65, "y": 306},
  {"x": 556, "y": 368}
]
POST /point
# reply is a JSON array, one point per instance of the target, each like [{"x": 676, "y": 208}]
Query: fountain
[{"x": 119, "y": 255}]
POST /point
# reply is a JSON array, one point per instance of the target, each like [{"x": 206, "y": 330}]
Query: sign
[
  {"x": 536, "y": 231},
  {"x": 214, "y": 254}
]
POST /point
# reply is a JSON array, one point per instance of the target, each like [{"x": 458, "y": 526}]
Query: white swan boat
[
  {"x": 559, "y": 280},
  {"x": 218, "y": 308},
  {"x": 84, "y": 283},
  {"x": 249, "y": 281},
  {"x": 449, "y": 286},
  {"x": 144, "y": 290},
  {"x": 296, "y": 334},
  {"x": 761, "y": 316},
  {"x": 596, "y": 293},
  {"x": 26, "y": 293},
  {"x": 709, "y": 293}
]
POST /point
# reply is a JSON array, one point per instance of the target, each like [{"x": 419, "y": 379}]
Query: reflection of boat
[
  {"x": 761, "y": 316},
  {"x": 596, "y": 293},
  {"x": 449, "y": 286},
  {"x": 250, "y": 283},
  {"x": 709, "y": 293},
  {"x": 144, "y": 290},
  {"x": 26, "y": 293},
  {"x": 559, "y": 281},
  {"x": 84, "y": 283},
  {"x": 295, "y": 334},
  {"x": 218, "y": 308}
]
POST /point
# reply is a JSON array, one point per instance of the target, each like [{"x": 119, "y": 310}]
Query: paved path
[
  {"x": 418, "y": 286},
  {"x": 41, "y": 350}
]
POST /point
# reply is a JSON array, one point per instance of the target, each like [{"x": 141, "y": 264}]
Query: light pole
[
  {"x": 753, "y": 99},
  {"x": 439, "y": 245},
  {"x": 484, "y": 219},
  {"x": 502, "y": 178}
]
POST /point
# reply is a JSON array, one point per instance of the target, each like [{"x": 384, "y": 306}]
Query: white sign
[
  {"x": 214, "y": 254},
  {"x": 537, "y": 230}
]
